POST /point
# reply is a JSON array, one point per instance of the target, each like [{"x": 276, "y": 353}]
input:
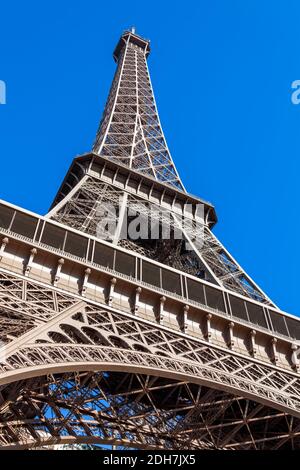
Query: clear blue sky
[{"x": 222, "y": 73}]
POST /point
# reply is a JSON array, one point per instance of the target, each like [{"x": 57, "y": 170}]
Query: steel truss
[
  {"x": 157, "y": 388},
  {"x": 77, "y": 370},
  {"x": 130, "y": 130},
  {"x": 83, "y": 208},
  {"x": 130, "y": 134}
]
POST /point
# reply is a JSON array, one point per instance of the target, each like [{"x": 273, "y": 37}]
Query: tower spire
[{"x": 130, "y": 131}]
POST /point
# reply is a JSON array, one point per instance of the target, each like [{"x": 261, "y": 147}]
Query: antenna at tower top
[{"x": 133, "y": 29}]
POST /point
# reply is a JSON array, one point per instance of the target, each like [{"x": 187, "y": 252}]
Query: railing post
[
  {"x": 295, "y": 356},
  {"x": 207, "y": 334},
  {"x": 274, "y": 356},
  {"x": 87, "y": 273},
  {"x": 33, "y": 252},
  {"x": 111, "y": 289},
  {"x": 60, "y": 264},
  {"x": 5, "y": 242},
  {"x": 253, "y": 349},
  {"x": 138, "y": 291},
  {"x": 230, "y": 342},
  {"x": 184, "y": 319},
  {"x": 162, "y": 301}
]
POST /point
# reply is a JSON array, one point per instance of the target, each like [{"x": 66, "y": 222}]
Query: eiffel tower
[{"x": 137, "y": 342}]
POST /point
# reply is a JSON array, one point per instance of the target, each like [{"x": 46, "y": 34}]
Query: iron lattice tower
[{"x": 163, "y": 343}]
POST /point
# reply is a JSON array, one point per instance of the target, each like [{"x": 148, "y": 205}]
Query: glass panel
[
  {"x": 195, "y": 291},
  {"x": 171, "y": 281},
  {"x": 156, "y": 194},
  {"x": 278, "y": 323},
  {"x": 6, "y": 215},
  {"x": 120, "y": 178},
  {"x": 104, "y": 255},
  {"x": 168, "y": 199},
  {"x": 125, "y": 264},
  {"x": 76, "y": 245},
  {"x": 108, "y": 173},
  {"x": 151, "y": 274},
  {"x": 238, "y": 307},
  {"x": 132, "y": 183},
  {"x": 294, "y": 327},
  {"x": 53, "y": 236},
  {"x": 144, "y": 189},
  {"x": 24, "y": 224},
  {"x": 256, "y": 315},
  {"x": 214, "y": 298}
]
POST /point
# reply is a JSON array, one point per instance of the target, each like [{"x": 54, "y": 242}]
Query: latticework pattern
[
  {"x": 89, "y": 374},
  {"x": 130, "y": 131},
  {"x": 94, "y": 353}
]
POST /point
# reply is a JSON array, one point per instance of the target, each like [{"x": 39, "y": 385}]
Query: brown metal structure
[{"x": 138, "y": 343}]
